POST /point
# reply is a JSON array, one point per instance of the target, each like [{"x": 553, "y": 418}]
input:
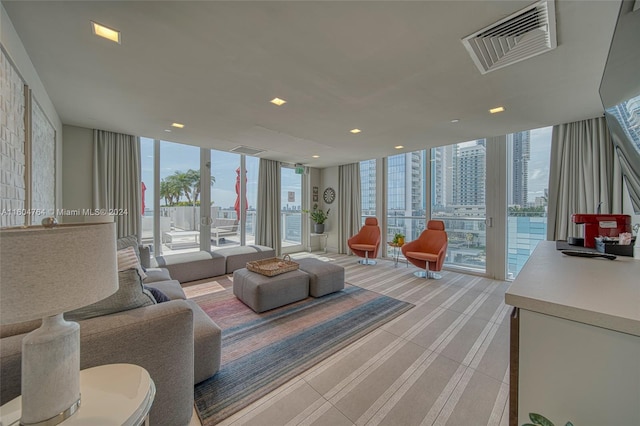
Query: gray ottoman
[
  {"x": 324, "y": 277},
  {"x": 262, "y": 293}
]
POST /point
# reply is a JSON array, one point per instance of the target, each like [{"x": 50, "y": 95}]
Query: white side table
[
  {"x": 113, "y": 394},
  {"x": 324, "y": 237}
]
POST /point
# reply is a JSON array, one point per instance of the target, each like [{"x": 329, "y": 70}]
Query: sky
[
  {"x": 179, "y": 157},
  {"x": 539, "y": 162}
]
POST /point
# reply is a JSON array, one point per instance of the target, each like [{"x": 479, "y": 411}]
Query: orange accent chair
[
  {"x": 366, "y": 243},
  {"x": 429, "y": 250}
]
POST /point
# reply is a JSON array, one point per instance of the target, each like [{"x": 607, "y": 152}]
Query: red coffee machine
[{"x": 605, "y": 225}]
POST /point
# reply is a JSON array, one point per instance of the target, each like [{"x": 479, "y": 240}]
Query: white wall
[
  {"x": 77, "y": 175},
  {"x": 20, "y": 58},
  {"x": 329, "y": 178}
]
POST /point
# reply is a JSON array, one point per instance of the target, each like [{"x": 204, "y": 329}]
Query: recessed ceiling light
[
  {"x": 278, "y": 101},
  {"x": 315, "y": 156},
  {"x": 399, "y": 146},
  {"x": 496, "y": 109},
  {"x": 167, "y": 130},
  {"x": 355, "y": 131},
  {"x": 455, "y": 120},
  {"x": 105, "y": 32},
  {"x": 177, "y": 125}
]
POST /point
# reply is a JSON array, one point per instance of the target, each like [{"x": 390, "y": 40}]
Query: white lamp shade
[{"x": 47, "y": 271}]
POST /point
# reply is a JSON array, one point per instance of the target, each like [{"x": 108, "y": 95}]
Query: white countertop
[{"x": 595, "y": 291}]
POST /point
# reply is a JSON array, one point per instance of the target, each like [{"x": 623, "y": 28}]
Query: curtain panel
[
  {"x": 116, "y": 180},
  {"x": 349, "y": 204},
  {"x": 268, "y": 214},
  {"x": 584, "y": 174}
]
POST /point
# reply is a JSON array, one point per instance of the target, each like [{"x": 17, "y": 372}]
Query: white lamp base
[{"x": 51, "y": 372}]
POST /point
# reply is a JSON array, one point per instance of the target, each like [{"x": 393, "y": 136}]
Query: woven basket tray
[{"x": 273, "y": 266}]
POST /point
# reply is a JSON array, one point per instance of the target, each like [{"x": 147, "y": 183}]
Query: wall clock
[{"x": 329, "y": 195}]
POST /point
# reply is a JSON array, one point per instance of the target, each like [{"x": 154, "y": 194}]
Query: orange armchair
[
  {"x": 366, "y": 242},
  {"x": 429, "y": 250}
]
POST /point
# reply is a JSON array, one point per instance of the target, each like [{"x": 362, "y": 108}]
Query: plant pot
[
  {"x": 400, "y": 241},
  {"x": 318, "y": 228}
]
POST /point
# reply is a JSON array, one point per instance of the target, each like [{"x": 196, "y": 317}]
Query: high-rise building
[
  {"x": 520, "y": 154},
  {"x": 368, "y": 187},
  {"x": 469, "y": 165}
]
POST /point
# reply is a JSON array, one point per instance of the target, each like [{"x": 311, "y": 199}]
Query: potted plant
[
  {"x": 398, "y": 239},
  {"x": 540, "y": 420},
  {"x": 319, "y": 217}
]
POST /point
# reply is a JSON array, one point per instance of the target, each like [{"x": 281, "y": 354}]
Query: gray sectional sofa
[{"x": 175, "y": 341}]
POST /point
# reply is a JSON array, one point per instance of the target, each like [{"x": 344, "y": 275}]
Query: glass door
[{"x": 290, "y": 210}]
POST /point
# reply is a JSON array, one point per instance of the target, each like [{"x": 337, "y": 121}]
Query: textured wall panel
[
  {"x": 12, "y": 145},
  {"x": 43, "y": 164}
]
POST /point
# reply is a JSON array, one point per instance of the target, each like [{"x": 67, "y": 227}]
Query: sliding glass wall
[
  {"x": 406, "y": 203},
  {"x": 148, "y": 190},
  {"x": 251, "y": 166},
  {"x": 225, "y": 199},
  {"x": 368, "y": 188},
  {"x": 291, "y": 209},
  {"x": 528, "y": 156},
  {"x": 185, "y": 225},
  {"x": 458, "y": 198}
]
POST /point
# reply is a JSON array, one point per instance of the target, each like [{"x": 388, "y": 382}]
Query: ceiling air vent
[
  {"x": 247, "y": 150},
  {"x": 520, "y": 36}
]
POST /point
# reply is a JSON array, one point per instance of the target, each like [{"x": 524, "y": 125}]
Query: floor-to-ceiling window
[
  {"x": 179, "y": 194},
  {"x": 148, "y": 190},
  {"x": 291, "y": 209},
  {"x": 171, "y": 174},
  {"x": 368, "y": 188},
  {"x": 406, "y": 206},
  {"x": 458, "y": 178},
  {"x": 225, "y": 199},
  {"x": 252, "y": 165},
  {"x": 528, "y": 155}
]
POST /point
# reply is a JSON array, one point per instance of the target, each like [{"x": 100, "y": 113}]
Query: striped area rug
[{"x": 260, "y": 352}]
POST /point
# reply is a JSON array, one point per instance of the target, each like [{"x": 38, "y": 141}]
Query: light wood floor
[{"x": 444, "y": 362}]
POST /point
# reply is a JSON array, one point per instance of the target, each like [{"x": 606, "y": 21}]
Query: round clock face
[{"x": 329, "y": 195}]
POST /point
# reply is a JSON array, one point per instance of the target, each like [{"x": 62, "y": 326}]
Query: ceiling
[{"x": 396, "y": 70}]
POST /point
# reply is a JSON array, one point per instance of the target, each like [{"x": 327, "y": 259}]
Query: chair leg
[
  {"x": 433, "y": 275},
  {"x": 366, "y": 260},
  {"x": 427, "y": 274}
]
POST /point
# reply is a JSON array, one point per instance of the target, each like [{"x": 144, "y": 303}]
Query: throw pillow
[
  {"x": 130, "y": 295},
  {"x": 129, "y": 241},
  {"x": 127, "y": 259},
  {"x": 157, "y": 294}
]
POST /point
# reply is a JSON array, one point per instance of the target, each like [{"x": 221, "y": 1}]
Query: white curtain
[
  {"x": 349, "y": 204},
  {"x": 116, "y": 180},
  {"x": 268, "y": 215},
  {"x": 584, "y": 173}
]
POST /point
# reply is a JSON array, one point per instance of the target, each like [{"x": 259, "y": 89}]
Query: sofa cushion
[
  {"x": 157, "y": 274},
  {"x": 237, "y": 257},
  {"x": 172, "y": 289},
  {"x": 130, "y": 295},
  {"x": 127, "y": 259},
  {"x": 193, "y": 266}
]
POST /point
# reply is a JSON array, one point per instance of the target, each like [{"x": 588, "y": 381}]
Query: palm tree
[
  {"x": 170, "y": 190},
  {"x": 173, "y": 187},
  {"x": 194, "y": 177}
]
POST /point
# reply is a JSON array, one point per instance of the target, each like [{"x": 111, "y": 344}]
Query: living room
[{"x": 389, "y": 84}]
